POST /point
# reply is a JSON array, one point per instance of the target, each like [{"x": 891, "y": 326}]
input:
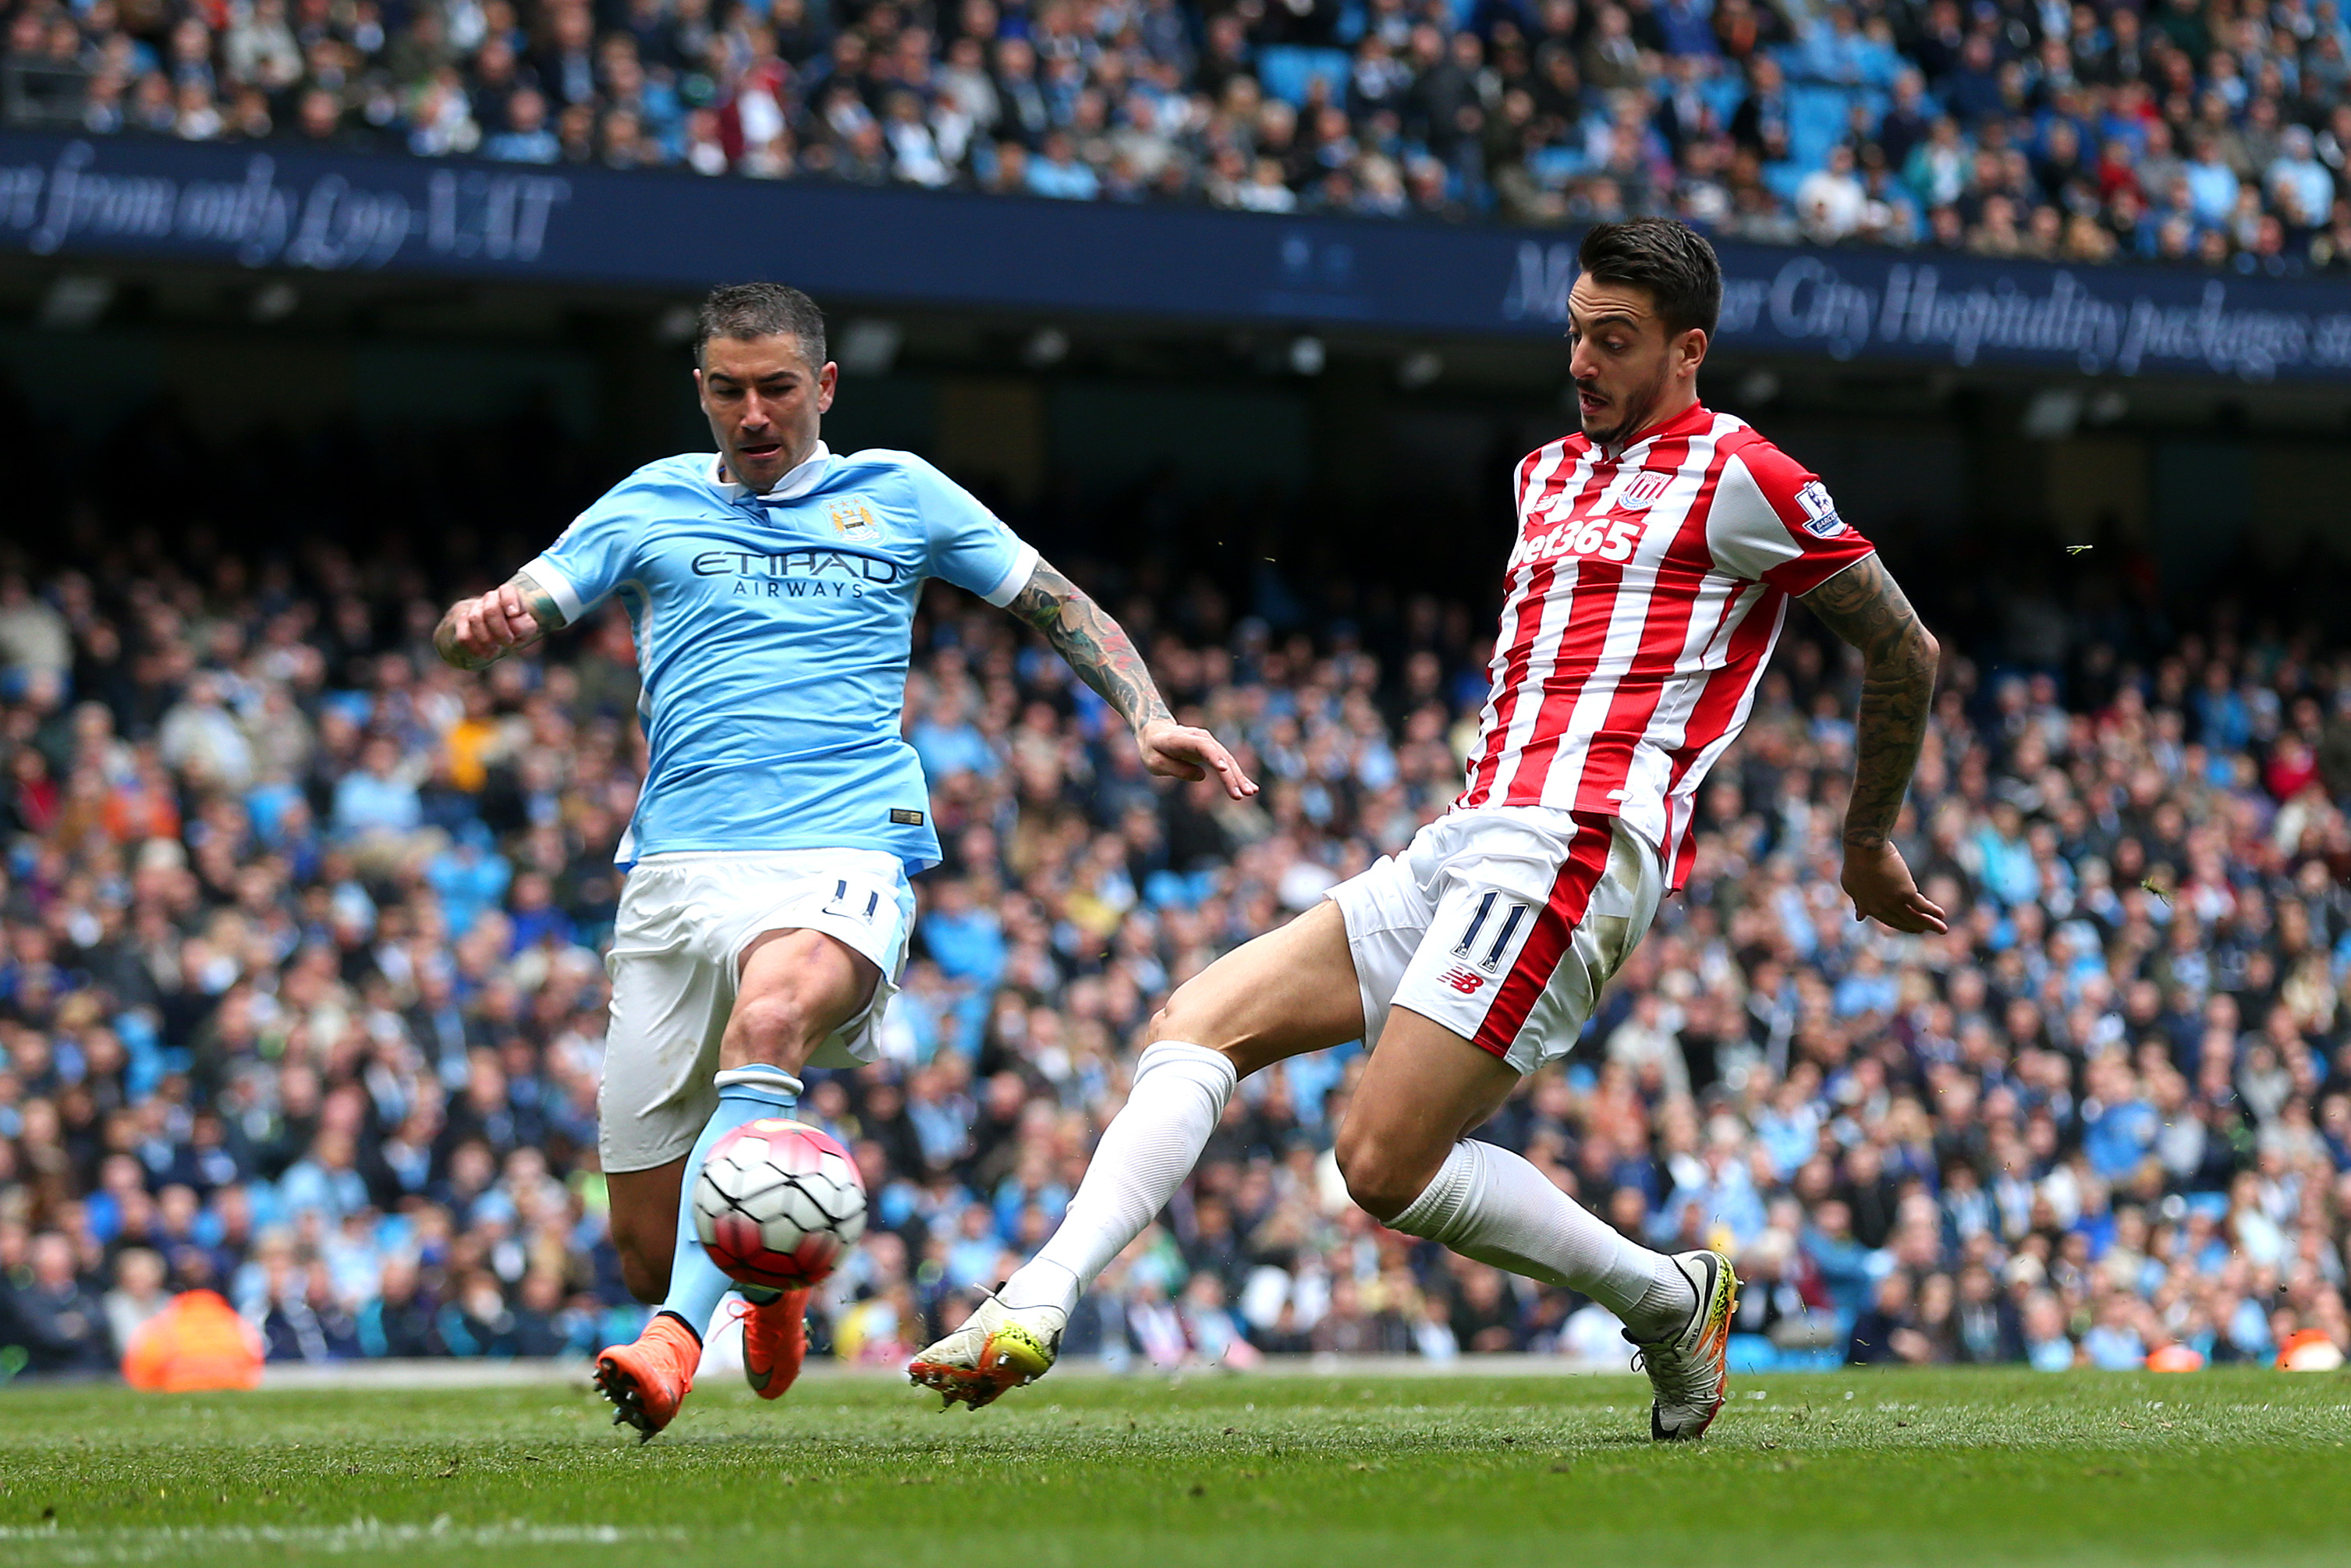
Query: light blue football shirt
[{"x": 772, "y": 636}]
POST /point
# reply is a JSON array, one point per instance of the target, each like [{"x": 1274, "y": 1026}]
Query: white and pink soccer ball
[{"x": 778, "y": 1204}]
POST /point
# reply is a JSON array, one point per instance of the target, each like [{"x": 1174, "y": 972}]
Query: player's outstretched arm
[
  {"x": 479, "y": 631},
  {"x": 1864, "y": 605},
  {"x": 1098, "y": 650}
]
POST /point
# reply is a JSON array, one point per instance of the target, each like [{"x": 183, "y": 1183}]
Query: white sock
[
  {"x": 1489, "y": 1204},
  {"x": 1145, "y": 1153}
]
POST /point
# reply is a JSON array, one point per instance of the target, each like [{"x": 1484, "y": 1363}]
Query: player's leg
[
  {"x": 648, "y": 1379},
  {"x": 642, "y": 1209},
  {"x": 661, "y": 1036},
  {"x": 1407, "y": 1161},
  {"x": 1504, "y": 980},
  {"x": 775, "y": 1329},
  {"x": 668, "y": 1008},
  {"x": 757, "y": 996},
  {"x": 1290, "y": 990},
  {"x": 798, "y": 988}
]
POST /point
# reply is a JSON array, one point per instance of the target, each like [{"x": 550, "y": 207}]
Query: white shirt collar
[{"x": 798, "y": 482}]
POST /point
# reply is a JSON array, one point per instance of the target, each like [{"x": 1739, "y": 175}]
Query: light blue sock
[{"x": 695, "y": 1283}]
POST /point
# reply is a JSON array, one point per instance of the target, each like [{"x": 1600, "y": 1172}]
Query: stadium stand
[
  {"x": 2213, "y": 135},
  {"x": 301, "y": 1000}
]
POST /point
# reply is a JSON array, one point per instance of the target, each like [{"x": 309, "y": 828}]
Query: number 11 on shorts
[{"x": 1479, "y": 919}]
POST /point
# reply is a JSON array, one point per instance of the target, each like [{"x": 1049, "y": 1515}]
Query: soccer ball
[{"x": 778, "y": 1203}]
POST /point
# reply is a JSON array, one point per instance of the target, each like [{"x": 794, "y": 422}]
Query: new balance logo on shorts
[{"x": 1463, "y": 980}]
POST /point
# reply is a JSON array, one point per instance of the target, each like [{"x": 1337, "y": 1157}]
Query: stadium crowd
[
  {"x": 2213, "y": 133},
  {"x": 300, "y": 999}
]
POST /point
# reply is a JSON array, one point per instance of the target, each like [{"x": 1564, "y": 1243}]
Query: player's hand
[
  {"x": 484, "y": 630},
  {"x": 1174, "y": 751},
  {"x": 1881, "y": 889}
]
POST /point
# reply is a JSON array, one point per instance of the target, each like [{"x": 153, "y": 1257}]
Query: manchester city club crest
[{"x": 850, "y": 520}]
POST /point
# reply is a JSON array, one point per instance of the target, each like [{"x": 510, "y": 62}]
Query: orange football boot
[
  {"x": 774, "y": 1340},
  {"x": 647, "y": 1381}
]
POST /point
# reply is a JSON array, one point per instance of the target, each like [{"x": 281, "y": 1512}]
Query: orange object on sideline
[
  {"x": 2309, "y": 1349},
  {"x": 2175, "y": 1358},
  {"x": 196, "y": 1343}
]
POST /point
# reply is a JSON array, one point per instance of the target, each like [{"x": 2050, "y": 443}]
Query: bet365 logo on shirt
[{"x": 1602, "y": 539}]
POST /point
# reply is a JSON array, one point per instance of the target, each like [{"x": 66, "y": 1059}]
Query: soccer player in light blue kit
[{"x": 771, "y": 586}]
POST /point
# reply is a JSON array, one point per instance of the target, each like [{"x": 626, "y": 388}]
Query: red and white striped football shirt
[{"x": 1642, "y": 602}]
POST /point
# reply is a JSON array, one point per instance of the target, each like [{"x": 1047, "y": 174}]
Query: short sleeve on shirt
[
  {"x": 1772, "y": 520},
  {"x": 591, "y": 558},
  {"x": 970, "y": 546}
]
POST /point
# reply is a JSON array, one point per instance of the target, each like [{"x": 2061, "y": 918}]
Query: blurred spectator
[
  {"x": 57, "y": 1320},
  {"x": 138, "y": 1296}
]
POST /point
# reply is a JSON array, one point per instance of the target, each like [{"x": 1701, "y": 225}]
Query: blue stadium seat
[
  {"x": 1880, "y": 64},
  {"x": 1555, "y": 166},
  {"x": 1182, "y": 889},
  {"x": 1285, "y": 70},
  {"x": 1817, "y": 122},
  {"x": 1722, "y": 93}
]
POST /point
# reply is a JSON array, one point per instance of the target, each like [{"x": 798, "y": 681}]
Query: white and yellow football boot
[
  {"x": 1690, "y": 1370},
  {"x": 998, "y": 1347}
]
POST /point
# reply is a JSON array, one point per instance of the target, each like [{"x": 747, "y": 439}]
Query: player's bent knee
[
  {"x": 1383, "y": 1179},
  {"x": 767, "y": 1026},
  {"x": 1242, "y": 1050},
  {"x": 1180, "y": 1018},
  {"x": 1194, "y": 1016},
  {"x": 1185, "y": 1018}
]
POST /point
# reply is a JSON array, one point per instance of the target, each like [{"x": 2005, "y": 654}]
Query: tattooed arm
[
  {"x": 1099, "y": 651},
  {"x": 1864, "y": 605},
  {"x": 478, "y": 633}
]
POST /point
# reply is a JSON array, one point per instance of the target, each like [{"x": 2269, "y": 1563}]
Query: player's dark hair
[
  {"x": 1664, "y": 255},
  {"x": 760, "y": 310}
]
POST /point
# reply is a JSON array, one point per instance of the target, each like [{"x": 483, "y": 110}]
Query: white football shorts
[
  {"x": 677, "y": 945},
  {"x": 1502, "y": 924}
]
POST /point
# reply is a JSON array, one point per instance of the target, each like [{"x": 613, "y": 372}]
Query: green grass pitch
[{"x": 2239, "y": 1468}]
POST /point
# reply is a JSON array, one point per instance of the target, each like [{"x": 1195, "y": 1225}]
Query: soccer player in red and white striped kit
[{"x": 1656, "y": 551}]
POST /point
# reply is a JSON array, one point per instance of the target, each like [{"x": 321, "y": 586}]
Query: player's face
[
  {"x": 764, "y": 401},
  {"x": 1629, "y": 370}
]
